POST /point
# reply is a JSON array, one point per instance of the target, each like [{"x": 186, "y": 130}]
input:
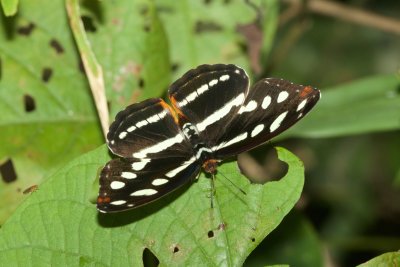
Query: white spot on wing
[
  {"x": 266, "y": 102},
  {"x": 301, "y": 105},
  {"x": 220, "y": 113},
  {"x": 224, "y": 78},
  {"x": 202, "y": 89},
  {"x": 158, "y": 147},
  {"x": 184, "y": 165},
  {"x": 122, "y": 135},
  {"x": 128, "y": 175},
  {"x": 153, "y": 118},
  {"x": 213, "y": 82},
  {"x": 118, "y": 202},
  {"x": 137, "y": 166},
  {"x": 159, "y": 181},
  {"x": 117, "y": 185},
  {"x": 191, "y": 96},
  {"x": 131, "y": 129},
  {"x": 238, "y": 138},
  {"x": 282, "y": 96},
  {"x": 252, "y": 105},
  {"x": 258, "y": 129},
  {"x": 144, "y": 192},
  {"x": 277, "y": 122},
  {"x": 142, "y": 123}
]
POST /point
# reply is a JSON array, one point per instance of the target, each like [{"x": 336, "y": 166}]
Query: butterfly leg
[{"x": 212, "y": 189}]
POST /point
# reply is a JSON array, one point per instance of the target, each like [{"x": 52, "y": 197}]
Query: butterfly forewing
[
  {"x": 209, "y": 97},
  {"x": 272, "y": 106},
  {"x": 122, "y": 188},
  {"x": 147, "y": 130}
]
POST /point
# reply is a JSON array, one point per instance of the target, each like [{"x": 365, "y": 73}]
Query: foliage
[{"x": 48, "y": 119}]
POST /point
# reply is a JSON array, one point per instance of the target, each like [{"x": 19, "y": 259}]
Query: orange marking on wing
[
  {"x": 176, "y": 109},
  {"x": 171, "y": 110},
  {"x": 101, "y": 200},
  {"x": 306, "y": 91}
]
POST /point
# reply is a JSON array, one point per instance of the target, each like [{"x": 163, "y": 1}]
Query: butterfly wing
[
  {"x": 209, "y": 97},
  {"x": 272, "y": 106},
  {"x": 146, "y": 130},
  {"x": 123, "y": 188},
  {"x": 156, "y": 157}
]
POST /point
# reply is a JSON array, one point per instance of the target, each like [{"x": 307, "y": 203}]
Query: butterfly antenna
[{"x": 234, "y": 185}]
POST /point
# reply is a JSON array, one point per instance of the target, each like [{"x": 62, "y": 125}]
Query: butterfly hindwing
[
  {"x": 272, "y": 106},
  {"x": 123, "y": 188},
  {"x": 156, "y": 158}
]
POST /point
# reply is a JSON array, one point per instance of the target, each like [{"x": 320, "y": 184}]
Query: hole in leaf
[
  {"x": 7, "y": 171},
  {"x": 176, "y": 249},
  {"x": 88, "y": 24},
  {"x": 26, "y": 30},
  {"x": 253, "y": 239},
  {"x": 207, "y": 26},
  {"x": 29, "y": 103},
  {"x": 141, "y": 83},
  {"x": 210, "y": 234},
  {"x": 149, "y": 259},
  {"x": 57, "y": 46},
  {"x": 46, "y": 74}
]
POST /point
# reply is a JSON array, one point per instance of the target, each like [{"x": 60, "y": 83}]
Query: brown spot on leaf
[
  {"x": 30, "y": 189},
  {"x": 46, "y": 74},
  {"x": 57, "y": 46},
  {"x": 26, "y": 30}
]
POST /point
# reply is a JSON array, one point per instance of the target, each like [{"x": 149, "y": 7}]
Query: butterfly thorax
[{"x": 202, "y": 152}]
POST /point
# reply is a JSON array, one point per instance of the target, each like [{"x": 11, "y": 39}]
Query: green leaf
[
  {"x": 364, "y": 106},
  {"x": 294, "y": 241},
  {"x": 387, "y": 259},
  {"x": 206, "y": 31},
  {"x": 44, "y": 121},
  {"x": 59, "y": 226},
  {"x": 63, "y": 123},
  {"x": 130, "y": 44},
  {"x": 9, "y": 7}
]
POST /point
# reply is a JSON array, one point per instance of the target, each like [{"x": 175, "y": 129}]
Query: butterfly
[{"x": 214, "y": 115}]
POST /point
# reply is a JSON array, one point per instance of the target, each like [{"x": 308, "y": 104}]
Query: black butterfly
[{"x": 214, "y": 115}]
